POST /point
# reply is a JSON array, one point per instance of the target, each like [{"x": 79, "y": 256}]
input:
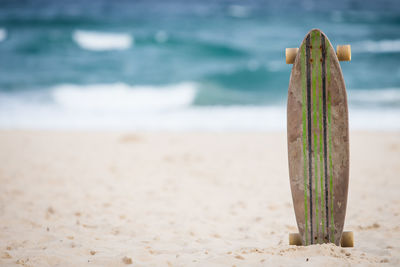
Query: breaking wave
[
  {"x": 102, "y": 41},
  {"x": 382, "y": 46},
  {"x": 3, "y": 34}
]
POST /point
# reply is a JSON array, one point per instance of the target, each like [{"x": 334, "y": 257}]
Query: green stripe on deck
[
  {"x": 304, "y": 113},
  {"x": 315, "y": 64},
  {"x": 328, "y": 73}
]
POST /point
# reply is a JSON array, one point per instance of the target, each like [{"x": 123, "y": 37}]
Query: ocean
[{"x": 185, "y": 65}]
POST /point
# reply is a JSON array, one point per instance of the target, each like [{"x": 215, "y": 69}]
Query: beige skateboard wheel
[
  {"x": 343, "y": 52},
  {"x": 291, "y": 55},
  {"x": 295, "y": 239},
  {"x": 347, "y": 240}
]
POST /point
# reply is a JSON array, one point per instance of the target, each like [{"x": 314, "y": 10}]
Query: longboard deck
[{"x": 318, "y": 141}]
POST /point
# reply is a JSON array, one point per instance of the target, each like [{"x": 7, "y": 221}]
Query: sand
[{"x": 181, "y": 199}]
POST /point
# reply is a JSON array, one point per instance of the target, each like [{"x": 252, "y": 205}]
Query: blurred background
[{"x": 186, "y": 65}]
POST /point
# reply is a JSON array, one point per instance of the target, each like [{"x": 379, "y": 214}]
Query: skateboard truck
[{"x": 343, "y": 53}]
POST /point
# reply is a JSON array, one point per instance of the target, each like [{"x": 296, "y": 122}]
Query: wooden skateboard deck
[{"x": 318, "y": 141}]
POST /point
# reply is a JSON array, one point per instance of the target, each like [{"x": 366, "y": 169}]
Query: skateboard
[{"x": 318, "y": 141}]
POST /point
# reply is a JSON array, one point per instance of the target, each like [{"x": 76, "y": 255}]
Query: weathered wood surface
[{"x": 318, "y": 141}]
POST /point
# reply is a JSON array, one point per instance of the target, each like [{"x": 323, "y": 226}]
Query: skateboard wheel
[
  {"x": 295, "y": 239},
  {"x": 343, "y": 52},
  {"x": 347, "y": 240},
  {"x": 291, "y": 55}
]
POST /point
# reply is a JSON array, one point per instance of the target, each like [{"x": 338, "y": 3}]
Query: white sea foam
[
  {"x": 376, "y": 97},
  {"x": 100, "y": 41},
  {"x": 122, "y": 97},
  {"x": 374, "y": 118},
  {"x": 3, "y": 34},
  {"x": 381, "y": 46},
  {"x": 123, "y": 107}
]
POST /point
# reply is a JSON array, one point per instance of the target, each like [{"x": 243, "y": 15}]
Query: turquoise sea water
[{"x": 185, "y": 64}]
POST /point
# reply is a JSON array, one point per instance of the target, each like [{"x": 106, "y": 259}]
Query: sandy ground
[{"x": 184, "y": 199}]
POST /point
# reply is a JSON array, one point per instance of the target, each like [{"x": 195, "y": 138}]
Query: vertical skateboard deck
[{"x": 318, "y": 140}]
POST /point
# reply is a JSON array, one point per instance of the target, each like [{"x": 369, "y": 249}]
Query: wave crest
[
  {"x": 383, "y": 46},
  {"x": 3, "y": 34},
  {"x": 101, "y": 41},
  {"x": 123, "y": 97},
  {"x": 375, "y": 97}
]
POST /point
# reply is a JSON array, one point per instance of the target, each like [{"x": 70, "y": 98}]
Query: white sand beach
[{"x": 182, "y": 199}]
